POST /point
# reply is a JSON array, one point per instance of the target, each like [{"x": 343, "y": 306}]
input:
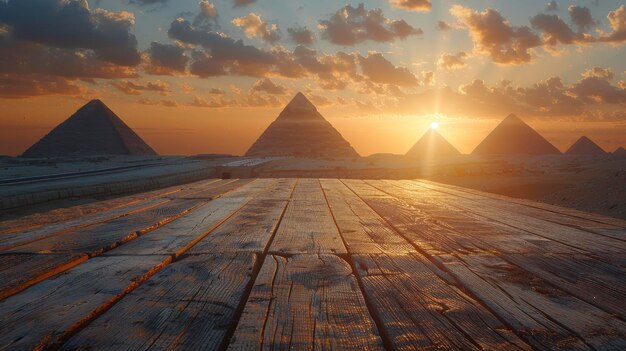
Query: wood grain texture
[
  {"x": 597, "y": 277},
  {"x": 12, "y": 240},
  {"x": 362, "y": 230},
  {"x": 89, "y": 241},
  {"x": 50, "y": 311},
  {"x": 305, "y": 302},
  {"x": 77, "y": 216},
  {"x": 250, "y": 229},
  {"x": 187, "y": 306},
  {"x": 566, "y": 214},
  {"x": 420, "y": 310},
  {"x": 453, "y": 247},
  {"x": 307, "y": 226}
]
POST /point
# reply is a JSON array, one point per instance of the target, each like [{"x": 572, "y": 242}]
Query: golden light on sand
[{"x": 434, "y": 125}]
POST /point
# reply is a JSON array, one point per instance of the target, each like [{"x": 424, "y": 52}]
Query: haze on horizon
[{"x": 208, "y": 77}]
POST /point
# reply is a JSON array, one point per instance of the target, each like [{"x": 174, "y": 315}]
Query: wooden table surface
[{"x": 314, "y": 264}]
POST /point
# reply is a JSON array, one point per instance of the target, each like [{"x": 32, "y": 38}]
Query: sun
[{"x": 434, "y": 125}]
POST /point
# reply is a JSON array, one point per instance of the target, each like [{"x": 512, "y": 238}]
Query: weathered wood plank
[
  {"x": 33, "y": 268},
  {"x": 116, "y": 275},
  {"x": 419, "y": 221},
  {"x": 591, "y": 219},
  {"x": 307, "y": 226},
  {"x": 47, "y": 313},
  {"x": 9, "y": 241},
  {"x": 419, "y": 310},
  {"x": 81, "y": 215},
  {"x": 189, "y": 305},
  {"x": 305, "y": 302},
  {"x": 13, "y": 240},
  {"x": 556, "y": 226},
  {"x": 90, "y": 241},
  {"x": 362, "y": 230},
  {"x": 192, "y": 302},
  {"x": 180, "y": 235},
  {"x": 507, "y": 287},
  {"x": 251, "y": 228},
  {"x": 597, "y": 279}
]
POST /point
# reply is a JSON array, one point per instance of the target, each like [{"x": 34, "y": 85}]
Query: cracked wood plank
[
  {"x": 251, "y": 228},
  {"x": 178, "y": 236},
  {"x": 188, "y": 305},
  {"x": 593, "y": 278},
  {"x": 90, "y": 241},
  {"x": 362, "y": 230},
  {"x": 420, "y": 310},
  {"x": 104, "y": 280},
  {"x": 305, "y": 302},
  {"x": 450, "y": 247},
  {"x": 307, "y": 226},
  {"x": 80, "y": 215},
  {"x": 591, "y": 219}
]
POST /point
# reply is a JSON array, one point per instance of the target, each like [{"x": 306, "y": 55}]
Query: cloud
[
  {"x": 493, "y": 35},
  {"x": 72, "y": 25},
  {"x": 379, "y": 70},
  {"x": 221, "y": 47},
  {"x": 593, "y": 97},
  {"x": 167, "y": 59},
  {"x": 555, "y": 30},
  {"x": 599, "y": 72},
  {"x": 254, "y": 27},
  {"x": 132, "y": 88},
  {"x": 25, "y": 86},
  {"x": 413, "y": 5},
  {"x": 443, "y": 26},
  {"x": 151, "y": 102},
  {"x": 267, "y": 86},
  {"x": 242, "y": 3},
  {"x": 301, "y": 35},
  {"x": 212, "y": 102},
  {"x": 353, "y": 25},
  {"x": 451, "y": 62},
  {"x": 617, "y": 20},
  {"x": 581, "y": 17},
  {"x": 207, "y": 15}
]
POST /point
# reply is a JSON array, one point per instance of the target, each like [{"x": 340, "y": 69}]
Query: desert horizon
[{"x": 312, "y": 175}]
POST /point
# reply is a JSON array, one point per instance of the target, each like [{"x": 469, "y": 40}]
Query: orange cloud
[
  {"x": 353, "y": 25},
  {"x": 494, "y": 36}
]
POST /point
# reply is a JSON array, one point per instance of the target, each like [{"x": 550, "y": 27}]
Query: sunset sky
[{"x": 207, "y": 77}]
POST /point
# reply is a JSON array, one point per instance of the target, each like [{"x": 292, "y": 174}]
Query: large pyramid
[
  {"x": 584, "y": 146},
  {"x": 514, "y": 137},
  {"x": 303, "y": 132},
  {"x": 93, "y": 130},
  {"x": 432, "y": 144}
]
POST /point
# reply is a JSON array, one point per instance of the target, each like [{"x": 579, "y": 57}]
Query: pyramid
[
  {"x": 301, "y": 131},
  {"x": 620, "y": 151},
  {"x": 514, "y": 137},
  {"x": 584, "y": 146},
  {"x": 93, "y": 130},
  {"x": 432, "y": 144}
]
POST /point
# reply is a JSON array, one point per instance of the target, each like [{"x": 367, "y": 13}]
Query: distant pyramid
[
  {"x": 432, "y": 144},
  {"x": 301, "y": 131},
  {"x": 93, "y": 130},
  {"x": 620, "y": 151},
  {"x": 584, "y": 146},
  {"x": 514, "y": 137}
]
